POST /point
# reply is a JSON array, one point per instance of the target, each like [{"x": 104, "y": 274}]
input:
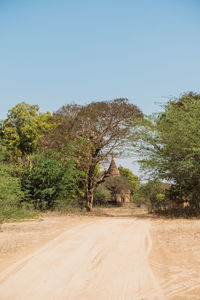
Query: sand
[{"x": 88, "y": 257}]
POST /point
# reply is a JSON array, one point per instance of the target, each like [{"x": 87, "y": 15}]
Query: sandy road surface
[{"x": 103, "y": 259}]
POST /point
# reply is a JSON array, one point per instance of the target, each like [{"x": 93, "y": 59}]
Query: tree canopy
[
  {"x": 23, "y": 128},
  {"x": 170, "y": 146},
  {"x": 130, "y": 177},
  {"x": 99, "y": 129}
]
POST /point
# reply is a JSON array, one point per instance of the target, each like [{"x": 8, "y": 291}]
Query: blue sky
[{"x": 57, "y": 52}]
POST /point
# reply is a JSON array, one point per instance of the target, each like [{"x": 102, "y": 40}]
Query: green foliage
[
  {"x": 10, "y": 194},
  {"x": 131, "y": 178},
  {"x": 152, "y": 194},
  {"x": 99, "y": 129},
  {"x": 49, "y": 181},
  {"x": 80, "y": 138},
  {"x": 23, "y": 128},
  {"x": 10, "y": 191},
  {"x": 116, "y": 185},
  {"x": 171, "y": 146},
  {"x": 101, "y": 195}
]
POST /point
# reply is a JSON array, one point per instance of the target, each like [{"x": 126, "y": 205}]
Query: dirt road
[
  {"x": 130, "y": 255},
  {"x": 103, "y": 259}
]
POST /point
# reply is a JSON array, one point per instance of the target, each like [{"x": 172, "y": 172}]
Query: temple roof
[{"x": 113, "y": 170}]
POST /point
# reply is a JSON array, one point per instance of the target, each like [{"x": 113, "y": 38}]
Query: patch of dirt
[
  {"x": 175, "y": 257},
  {"x": 103, "y": 259},
  {"x": 81, "y": 248},
  {"x": 126, "y": 210},
  {"x": 18, "y": 239}
]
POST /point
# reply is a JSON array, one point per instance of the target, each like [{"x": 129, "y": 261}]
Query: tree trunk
[
  {"x": 91, "y": 185},
  {"x": 90, "y": 188},
  {"x": 90, "y": 198}
]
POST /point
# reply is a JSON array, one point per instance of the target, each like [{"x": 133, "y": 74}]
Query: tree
[
  {"x": 116, "y": 185},
  {"x": 153, "y": 193},
  {"x": 170, "y": 146},
  {"x": 98, "y": 129},
  {"x": 130, "y": 177},
  {"x": 23, "y": 128}
]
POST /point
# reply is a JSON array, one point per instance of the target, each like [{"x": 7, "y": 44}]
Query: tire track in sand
[{"x": 106, "y": 259}]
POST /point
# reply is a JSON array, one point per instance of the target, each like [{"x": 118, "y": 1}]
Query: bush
[
  {"x": 138, "y": 199},
  {"x": 152, "y": 194},
  {"x": 51, "y": 182},
  {"x": 117, "y": 185},
  {"x": 10, "y": 193},
  {"x": 101, "y": 195}
]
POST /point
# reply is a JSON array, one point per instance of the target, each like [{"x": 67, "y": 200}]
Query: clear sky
[{"x": 54, "y": 52}]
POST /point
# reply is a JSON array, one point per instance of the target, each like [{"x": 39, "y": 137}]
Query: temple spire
[{"x": 113, "y": 170}]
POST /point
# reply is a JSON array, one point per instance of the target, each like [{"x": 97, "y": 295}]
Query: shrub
[
  {"x": 152, "y": 194},
  {"x": 50, "y": 182},
  {"x": 101, "y": 195},
  {"x": 117, "y": 185},
  {"x": 10, "y": 193}
]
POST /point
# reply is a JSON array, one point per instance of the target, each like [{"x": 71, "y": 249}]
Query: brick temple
[{"x": 124, "y": 196}]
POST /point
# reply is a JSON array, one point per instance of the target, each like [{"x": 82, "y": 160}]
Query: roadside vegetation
[
  {"x": 54, "y": 161},
  {"x": 169, "y": 148}
]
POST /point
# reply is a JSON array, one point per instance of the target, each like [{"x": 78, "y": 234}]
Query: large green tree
[
  {"x": 98, "y": 129},
  {"x": 171, "y": 146},
  {"x": 22, "y": 129}
]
